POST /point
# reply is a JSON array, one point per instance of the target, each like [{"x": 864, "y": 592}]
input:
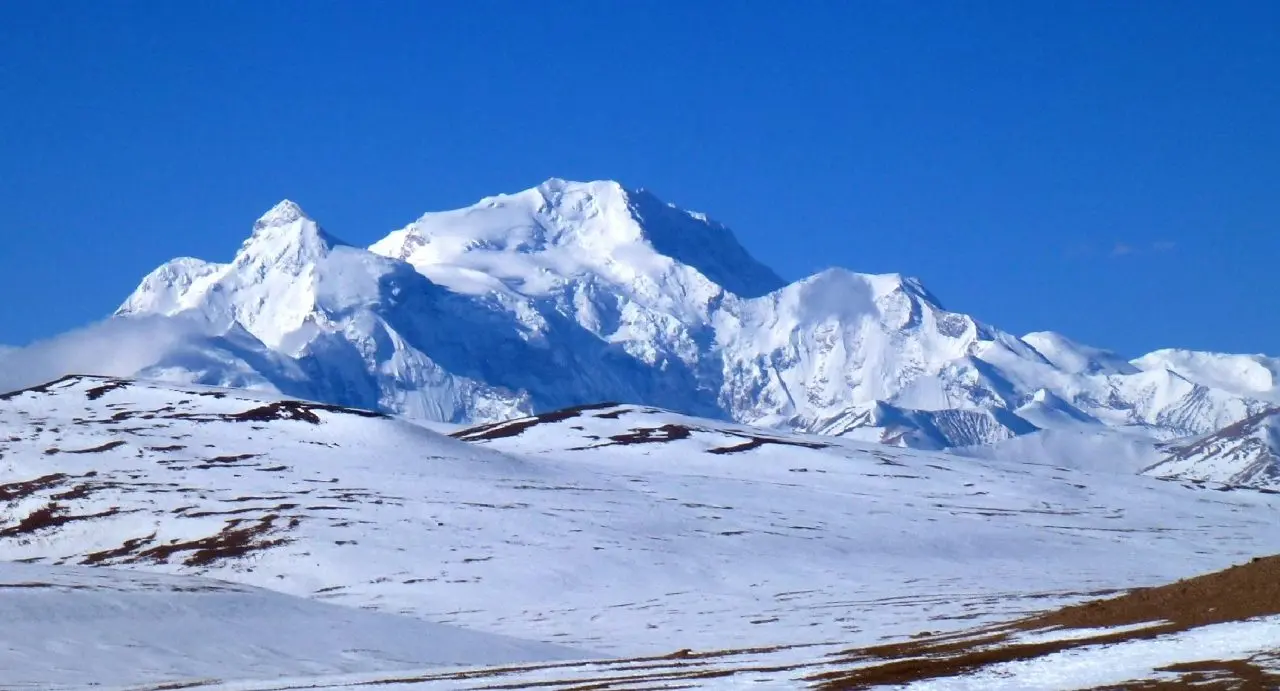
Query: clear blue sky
[{"x": 1110, "y": 170}]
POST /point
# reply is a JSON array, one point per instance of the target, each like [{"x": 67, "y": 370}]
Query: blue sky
[{"x": 1110, "y": 170}]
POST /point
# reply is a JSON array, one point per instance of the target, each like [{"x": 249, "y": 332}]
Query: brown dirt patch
[
  {"x": 232, "y": 542},
  {"x": 19, "y": 490},
  {"x": 1240, "y": 592},
  {"x": 77, "y": 492},
  {"x": 296, "y": 410},
  {"x": 757, "y": 442},
  {"x": 1235, "y": 594},
  {"x": 51, "y": 515},
  {"x": 516, "y": 427},
  {"x": 99, "y": 391},
  {"x": 124, "y": 550},
  {"x": 98, "y": 449},
  {"x": 612, "y": 414},
  {"x": 650, "y": 435}
]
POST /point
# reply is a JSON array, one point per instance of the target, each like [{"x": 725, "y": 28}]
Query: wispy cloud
[
  {"x": 1120, "y": 249},
  {"x": 115, "y": 347}
]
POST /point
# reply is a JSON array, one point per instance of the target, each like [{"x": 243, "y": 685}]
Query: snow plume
[{"x": 119, "y": 346}]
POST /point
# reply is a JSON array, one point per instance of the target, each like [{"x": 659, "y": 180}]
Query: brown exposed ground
[
  {"x": 1235, "y": 594},
  {"x": 513, "y": 428},
  {"x": 296, "y": 410},
  {"x": 20, "y": 490},
  {"x": 236, "y": 539},
  {"x": 51, "y": 515},
  {"x": 279, "y": 410},
  {"x": 637, "y": 435}
]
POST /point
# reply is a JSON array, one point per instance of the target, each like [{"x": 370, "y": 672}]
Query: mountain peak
[
  {"x": 874, "y": 285},
  {"x": 286, "y": 231},
  {"x": 560, "y": 231},
  {"x": 590, "y": 187},
  {"x": 576, "y": 201},
  {"x": 282, "y": 214}
]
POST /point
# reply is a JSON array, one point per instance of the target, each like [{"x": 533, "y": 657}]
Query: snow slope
[
  {"x": 1246, "y": 375},
  {"x": 614, "y": 529},
  {"x": 68, "y": 625},
  {"x": 1077, "y": 358},
  {"x": 573, "y": 293}
]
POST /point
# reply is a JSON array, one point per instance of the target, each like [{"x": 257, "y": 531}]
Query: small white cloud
[
  {"x": 1122, "y": 249},
  {"x": 1128, "y": 249}
]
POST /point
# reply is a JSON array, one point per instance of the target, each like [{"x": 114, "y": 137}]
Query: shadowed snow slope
[
  {"x": 77, "y": 626},
  {"x": 573, "y": 293}
]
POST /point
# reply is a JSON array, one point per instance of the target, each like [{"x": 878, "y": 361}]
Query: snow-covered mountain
[
  {"x": 332, "y": 322},
  {"x": 1245, "y": 375},
  {"x": 927, "y": 429},
  {"x": 1244, "y": 453},
  {"x": 572, "y": 293}
]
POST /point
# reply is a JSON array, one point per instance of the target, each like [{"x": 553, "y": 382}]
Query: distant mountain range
[{"x": 573, "y": 293}]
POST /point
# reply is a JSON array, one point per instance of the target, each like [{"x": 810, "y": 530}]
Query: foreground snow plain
[
  {"x": 69, "y": 626},
  {"x": 620, "y": 530}
]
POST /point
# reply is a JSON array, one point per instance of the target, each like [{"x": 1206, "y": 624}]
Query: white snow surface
[
  {"x": 1084, "y": 448},
  {"x": 1114, "y": 664},
  {"x": 1248, "y": 375},
  {"x": 1077, "y": 358},
  {"x": 579, "y": 292},
  {"x": 615, "y": 529}
]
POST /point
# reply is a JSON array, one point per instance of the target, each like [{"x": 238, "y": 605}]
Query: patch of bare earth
[
  {"x": 296, "y": 410},
  {"x": 237, "y": 539},
  {"x": 51, "y": 515},
  {"x": 1239, "y": 593},
  {"x": 514, "y": 428},
  {"x": 19, "y": 490}
]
